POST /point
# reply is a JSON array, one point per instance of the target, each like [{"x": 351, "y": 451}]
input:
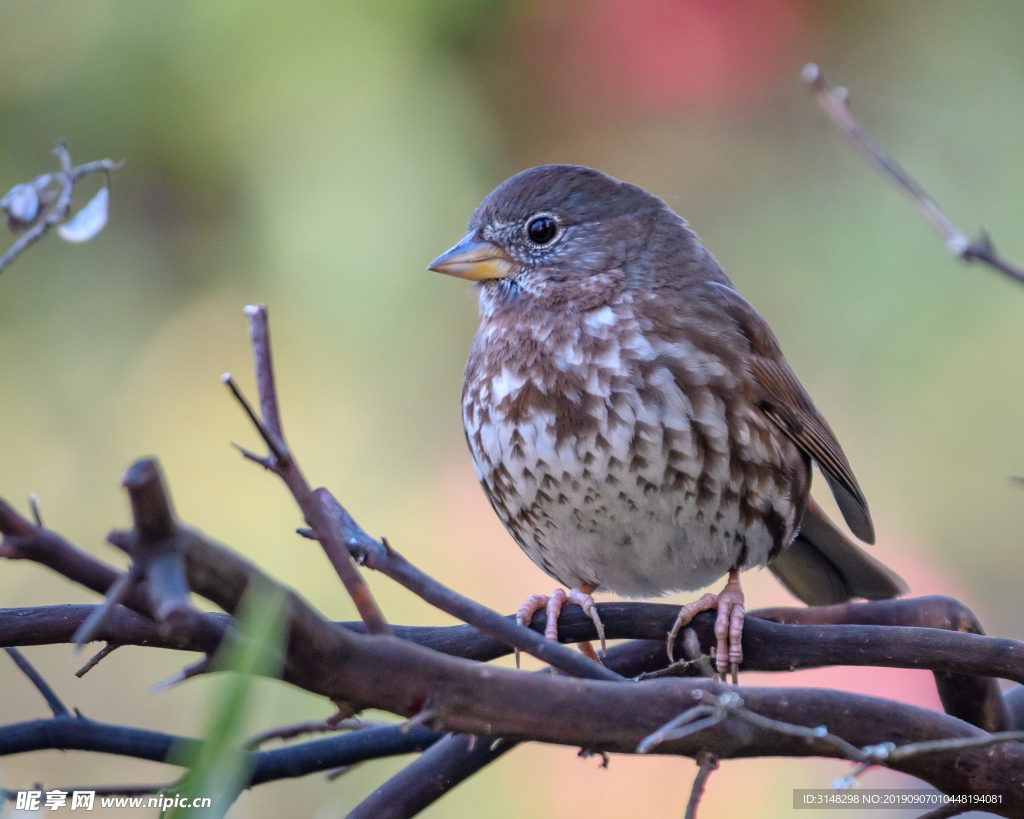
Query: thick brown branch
[
  {"x": 159, "y": 556},
  {"x": 24, "y": 541},
  {"x": 467, "y": 697},
  {"x": 768, "y": 646},
  {"x": 976, "y": 699}
]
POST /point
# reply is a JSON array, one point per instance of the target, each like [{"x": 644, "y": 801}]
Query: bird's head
[{"x": 551, "y": 230}]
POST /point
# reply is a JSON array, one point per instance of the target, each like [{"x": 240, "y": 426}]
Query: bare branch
[
  {"x": 81, "y": 734},
  {"x": 768, "y": 645},
  {"x": 58, "y": 707},
  {"x": 706, "y": 765},
  {"x": 285, "y": 466},
  {"x": 601, "y": 716},
  {"x": 835, "y": 102},
  {"x": 23, "y": 541}
]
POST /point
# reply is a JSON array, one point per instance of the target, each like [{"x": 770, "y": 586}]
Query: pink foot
[
  {"x": 728, "y": 625},
  {"x": 553, "y": 606}
]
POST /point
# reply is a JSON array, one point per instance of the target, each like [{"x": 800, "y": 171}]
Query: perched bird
[{"x": 631, "y": 417}]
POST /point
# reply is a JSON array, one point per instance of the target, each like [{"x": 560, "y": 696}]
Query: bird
[{"x": 631, "y": 417}]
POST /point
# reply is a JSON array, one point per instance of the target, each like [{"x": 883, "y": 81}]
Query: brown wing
[{"x": 784, "y": 401}]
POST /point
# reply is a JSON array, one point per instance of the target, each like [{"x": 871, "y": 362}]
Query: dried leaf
[
  {"x": 88, "y": 221},
  {"x": 20, "y": 206}
]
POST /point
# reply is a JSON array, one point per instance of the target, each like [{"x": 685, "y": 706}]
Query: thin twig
[
  {"x": 273, "y": 445},
  {"x": 96, "y": 658},
  {"x": 286, "y": 467},
  {"x": 835, "y": 102},
  {"x": 695, "y": 664},
  {"x": 323, "y": 726},
  {"x": 884, "y": 752},
  {"x": 706, "y": 765},
  {"x": 58, "y": 707}
]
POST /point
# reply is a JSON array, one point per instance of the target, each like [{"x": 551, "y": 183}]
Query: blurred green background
[{"x": 316, "y": 156}]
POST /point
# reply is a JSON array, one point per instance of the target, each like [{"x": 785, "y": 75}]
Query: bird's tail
[{"x": 822, "y": 566}]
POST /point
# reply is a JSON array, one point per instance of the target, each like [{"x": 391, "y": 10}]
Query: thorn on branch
[
  {"x": 188, "y": 672},
  {"x": 96, "y": 658},
  {"x": 339, "y": 772},
  {"x": 266, "y": 463},
  {"x": 835, "y": 102},
  {"x": 42, "y": 686},
  {"x": 115, "y": 594},
  {"x": 276, "y": 448},
  {"x": 33, "y": 505}
]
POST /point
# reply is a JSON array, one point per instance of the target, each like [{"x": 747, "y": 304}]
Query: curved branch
[
  {"x": 80, "y": 734},
  {"x": 767, "y": 645},
  {"x": 42, "y": 686}
]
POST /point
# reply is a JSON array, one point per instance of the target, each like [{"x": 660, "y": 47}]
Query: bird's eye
[{"x": 541, "y": 230}]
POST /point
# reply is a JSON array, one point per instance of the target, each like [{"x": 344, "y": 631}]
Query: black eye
[{"x": 542, "y": 230}]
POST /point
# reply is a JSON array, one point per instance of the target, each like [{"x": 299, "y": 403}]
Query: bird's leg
[
  {"x": 553, "y": 604},
  {"x": 728, "y": 624}
]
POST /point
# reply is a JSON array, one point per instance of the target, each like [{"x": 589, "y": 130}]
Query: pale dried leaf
[
  {"x": 88, "y": 221},
  {"x": 20, "y": 205}
]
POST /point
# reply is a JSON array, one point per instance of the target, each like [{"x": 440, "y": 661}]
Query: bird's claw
[
  {"x": 728, "y": 651},
  {"x": 553, "y": 604}
]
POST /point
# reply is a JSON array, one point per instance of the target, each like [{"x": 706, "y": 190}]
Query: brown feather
[
  {"x": 822, "y": 566},
  {"x": 786, "y": 403}
]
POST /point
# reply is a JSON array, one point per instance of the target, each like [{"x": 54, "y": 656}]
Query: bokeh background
[{"x": 316, "y": 156}]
